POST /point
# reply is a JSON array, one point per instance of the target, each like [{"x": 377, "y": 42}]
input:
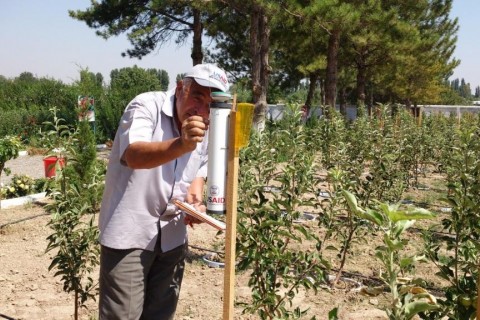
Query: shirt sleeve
[
  {"x": 137, "y": 122},
  {"x": 203, "y": 150},
  {"x": 202, "y": 171}
]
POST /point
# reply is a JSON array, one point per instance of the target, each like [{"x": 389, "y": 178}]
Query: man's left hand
[{"x": 189, "y": 220}]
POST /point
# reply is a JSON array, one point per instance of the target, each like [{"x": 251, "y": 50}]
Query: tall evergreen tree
[
  {"x": 374, "y": 42},
  {"x": 465, "y": 90},
  {"x": 149, "y": 24},
  {"x": 421, "y": 68},
  {"x": 336, "y": 18},
  {"x": 246, "y": 28}
]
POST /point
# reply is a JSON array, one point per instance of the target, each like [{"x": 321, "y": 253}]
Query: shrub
[{"x": 20, "y": 186}]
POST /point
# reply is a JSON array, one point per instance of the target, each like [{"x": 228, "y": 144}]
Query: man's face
[{"x": 192, "y": 100}]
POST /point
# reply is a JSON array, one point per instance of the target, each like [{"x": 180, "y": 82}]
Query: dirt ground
[{"x": 29, "y": 291}]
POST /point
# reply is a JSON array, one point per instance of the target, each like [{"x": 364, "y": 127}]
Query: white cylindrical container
[{"x": 217, "y": 156}]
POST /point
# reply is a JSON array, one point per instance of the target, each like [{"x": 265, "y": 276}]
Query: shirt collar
[{"x": 169, "y": 104}]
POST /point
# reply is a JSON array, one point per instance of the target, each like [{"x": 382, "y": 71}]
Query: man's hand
[
  {"x": 193, "y": 131},
  {"x": 189, "y": 220}
]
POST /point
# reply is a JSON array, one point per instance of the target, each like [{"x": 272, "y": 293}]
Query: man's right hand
[
  {"x": 193, "y": 131},
  {"x": 146, "y": 155}
]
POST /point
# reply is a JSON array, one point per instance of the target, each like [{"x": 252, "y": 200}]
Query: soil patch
[{"x": 29, "y": 291}]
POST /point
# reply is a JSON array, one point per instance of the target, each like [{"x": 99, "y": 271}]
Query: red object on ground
[{"x": 50, "y": 163}]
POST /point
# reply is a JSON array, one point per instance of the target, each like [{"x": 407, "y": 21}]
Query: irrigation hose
[
  {"x": 24, "y": 219},
  {"x": 6, "y": 317}
]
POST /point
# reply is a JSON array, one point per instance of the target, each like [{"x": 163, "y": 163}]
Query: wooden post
[
  {"x": 420, "y": 116},
  {"x": 231, "y": 232},
  {"x": 459, "y": 117},
  {"x": 478, "y": 293}
]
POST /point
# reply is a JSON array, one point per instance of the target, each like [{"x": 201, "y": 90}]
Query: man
[{"x": 159, "y": 154}]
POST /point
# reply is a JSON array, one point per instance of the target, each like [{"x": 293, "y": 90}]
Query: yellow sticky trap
[{"x": 243, "y": 124}]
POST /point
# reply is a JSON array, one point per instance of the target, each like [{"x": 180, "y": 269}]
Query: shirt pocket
[{"x": 191, "y": 169}]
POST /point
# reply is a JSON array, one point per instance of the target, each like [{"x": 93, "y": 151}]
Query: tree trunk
[
  {"x": 311, "y": 89},
  {"x": 343, "y": 102},
  {"x": 2, "y": 165},
  {"x": 332, "y": 62},
  {"x": 322, "y": 92},
  {"x": 197, "y": 54},
  {"x": 259, "y": 45},
  {"x": 361, "y": 83}
]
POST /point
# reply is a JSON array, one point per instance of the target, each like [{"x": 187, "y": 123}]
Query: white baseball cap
[{"x": 209, "y": 75}]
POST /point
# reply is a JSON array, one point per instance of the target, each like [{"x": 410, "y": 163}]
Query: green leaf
[
  {"x": 401, "y": 226},
  {"x": 393, "y": 244},
  {"x": 333, "y": 314},
  {"x": 374, "y": 216},
  {"x": 405, "y": 262},
  {"x": 412, "y": 214},
  {"x": 351, "y": 201},
  {"x": 369, "y": 214},
  {"x": 413, "y": 308},
  {"x": 331, "y": 247}
]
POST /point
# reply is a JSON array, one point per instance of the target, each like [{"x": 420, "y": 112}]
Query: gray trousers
[{"x": 140, "y": 284}]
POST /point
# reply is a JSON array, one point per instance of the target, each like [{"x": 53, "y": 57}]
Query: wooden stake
[
  {"x": 478, "y": 293},
  {"x": 420, "y": 116},
  {"x": 231, "y": 232}
]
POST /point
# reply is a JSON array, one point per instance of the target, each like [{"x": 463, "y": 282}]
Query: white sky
[
  {"x": 468, "y": 43},
  {"x": 38, "y": 36}
]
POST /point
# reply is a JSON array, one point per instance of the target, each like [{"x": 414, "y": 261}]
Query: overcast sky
[{"x": 38, "y": 36}]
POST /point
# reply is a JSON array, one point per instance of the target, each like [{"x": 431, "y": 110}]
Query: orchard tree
[
  {"x": 25, "y": 101},
  {"x": 9, "y": 149}
]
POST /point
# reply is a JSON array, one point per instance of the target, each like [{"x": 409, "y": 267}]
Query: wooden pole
[
  {"x": 231, "y": 232},
  {"x": 478, "y": 293}
]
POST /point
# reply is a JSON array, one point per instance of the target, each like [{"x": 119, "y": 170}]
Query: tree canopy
[{"x": 359, "y": 51}]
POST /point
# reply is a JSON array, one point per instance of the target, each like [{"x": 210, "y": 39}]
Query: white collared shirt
[{"x": 135, "y": 200}]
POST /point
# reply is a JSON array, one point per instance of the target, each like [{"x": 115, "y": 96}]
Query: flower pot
[{"x": 50, "y": 165}]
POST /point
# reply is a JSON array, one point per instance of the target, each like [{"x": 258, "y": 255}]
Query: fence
[{"x": 275, "y": 112}]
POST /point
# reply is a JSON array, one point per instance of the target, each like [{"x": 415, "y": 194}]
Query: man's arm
[
  {"x": 195, "y": 193},
  {"x": 195, "y": 198},
  {"x": 147, "y": 155}
]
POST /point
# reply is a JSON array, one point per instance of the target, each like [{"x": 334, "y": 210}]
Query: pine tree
[
  {"x": 423, "y": 66},
  {"x": 148, "y": 24}
]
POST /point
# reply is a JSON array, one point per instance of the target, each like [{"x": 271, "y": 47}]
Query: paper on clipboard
[{"x": 190, "y": 210}]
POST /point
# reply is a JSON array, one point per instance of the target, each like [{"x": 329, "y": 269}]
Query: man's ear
[
  {"x": 179, "y": 88},
  {"x": 179, "y": 84}
]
